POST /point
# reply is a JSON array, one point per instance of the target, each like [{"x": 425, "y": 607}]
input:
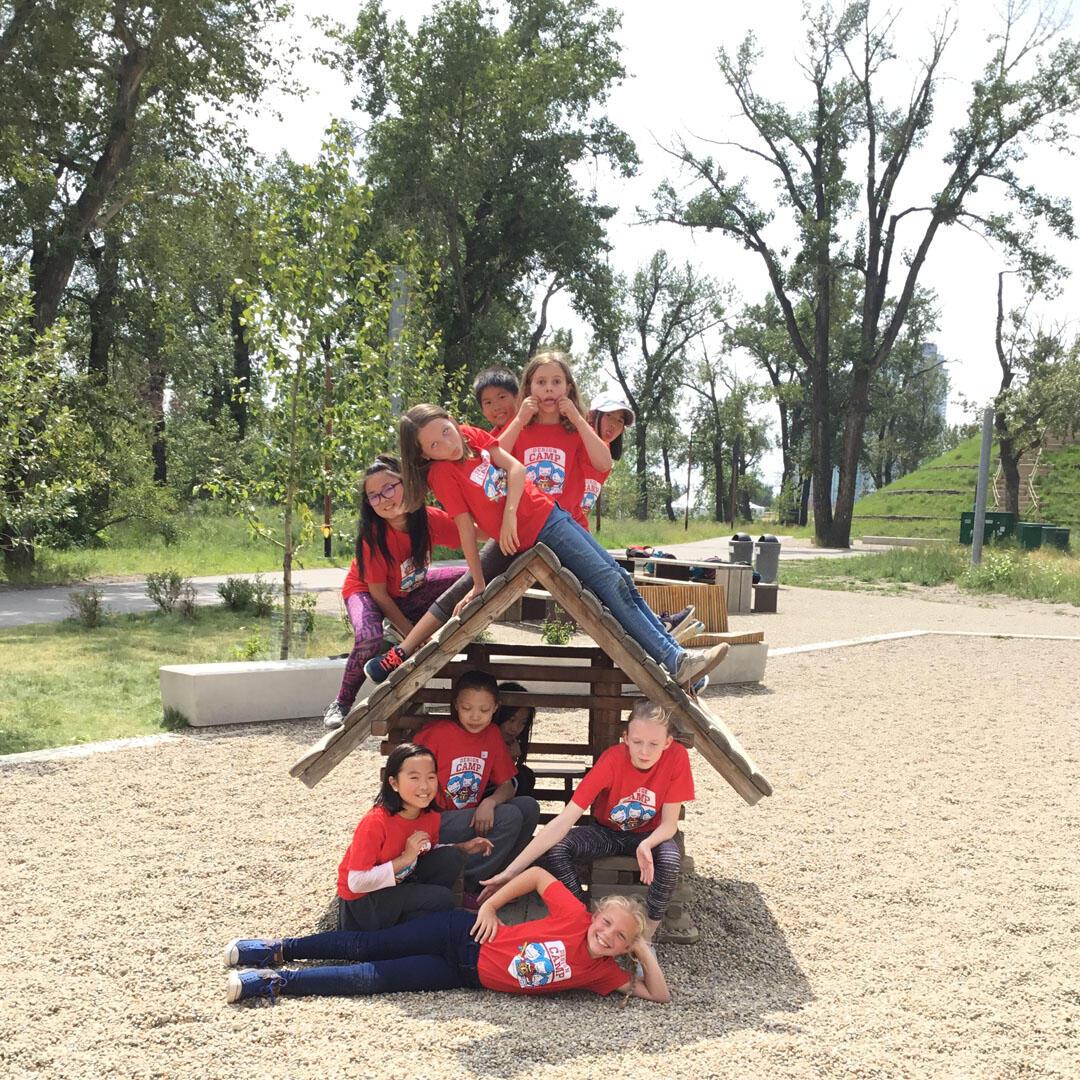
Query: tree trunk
[
  {"x": 718, "y": 481},
  {"x": 668, "y": 508},
  {"x": 641, "y": 510},
  {"x": 839, "y": 533},
  {"x": 238, "y": 408},
  {"x": 102, "y": 316},
  {"x": 1010, "y": 455},
  {"x": 804, "y": 501}
]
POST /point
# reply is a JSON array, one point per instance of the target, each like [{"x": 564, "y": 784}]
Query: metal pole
[
  {"x": 981, "y": 487},
  {"x": 689, "y": 462},
  {"x": 734, "y": 478},
  {"x": 398, "y": 303}
]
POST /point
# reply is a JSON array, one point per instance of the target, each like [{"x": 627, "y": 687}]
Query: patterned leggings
[
  {"x": 586, "y": 842},
  {"x": 366, "y": 617}
]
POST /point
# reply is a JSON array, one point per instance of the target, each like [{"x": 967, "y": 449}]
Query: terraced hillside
[{"x": 929, "y": 501}]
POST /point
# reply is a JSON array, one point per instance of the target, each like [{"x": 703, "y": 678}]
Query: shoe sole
[
  {"x": 688, "y": 621},
  {"x": 332, "y": 723},
  {"x": 232, "y": 953},
  {"x": 236, "y": 988},
  {"x": 689, "y": 630}
]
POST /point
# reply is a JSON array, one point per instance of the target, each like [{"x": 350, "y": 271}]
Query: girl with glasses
[{"x": 392, "y": 577}]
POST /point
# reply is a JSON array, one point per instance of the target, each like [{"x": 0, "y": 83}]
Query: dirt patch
[{"x": 903, "y": 906}]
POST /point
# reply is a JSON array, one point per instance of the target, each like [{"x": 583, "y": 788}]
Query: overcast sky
[{"x": 675, "y": 91}]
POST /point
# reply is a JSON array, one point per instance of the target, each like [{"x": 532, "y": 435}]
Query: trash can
[
  {"x": 767, "y": 563},
  {"x": 741, "y": 549},
  {"x": 1029, "y": 534},
  {"x": 998, "y": 525},
  {"x": 1056, "y": 537}
]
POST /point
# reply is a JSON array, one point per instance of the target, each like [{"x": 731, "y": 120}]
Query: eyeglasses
[{"x": 376, "y": 497}]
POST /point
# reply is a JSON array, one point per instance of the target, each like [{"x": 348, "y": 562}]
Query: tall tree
[
  {"x": 666, "y": 310},
  {"x": 474, "y": 139},
  {"x": 1028, "y": 87}
]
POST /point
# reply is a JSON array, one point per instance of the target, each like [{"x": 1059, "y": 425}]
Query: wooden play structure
[{"x": 605, "y": 679}]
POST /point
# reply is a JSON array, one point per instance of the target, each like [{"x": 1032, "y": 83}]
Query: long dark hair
[
  {"x": 506, "y": 710},
  {"x": 372, "y": 528},
  {"x": 414, "y": 465},
  {"x": 388, "y": 798}
]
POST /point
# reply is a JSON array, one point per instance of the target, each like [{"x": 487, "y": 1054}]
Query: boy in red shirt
[{"x": 496, "y": 391}]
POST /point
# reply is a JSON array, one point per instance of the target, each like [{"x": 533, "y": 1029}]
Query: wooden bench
[{"x": 736, "y": 578}]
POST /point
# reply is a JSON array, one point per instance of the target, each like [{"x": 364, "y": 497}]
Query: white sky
[{"x": 674, "y": 89}]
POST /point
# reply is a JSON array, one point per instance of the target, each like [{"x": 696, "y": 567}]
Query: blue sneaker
[
  {"x": 379, "y": 667},
  {"x": 249, "y": 984},
  {"x": 254, "y": 952}
]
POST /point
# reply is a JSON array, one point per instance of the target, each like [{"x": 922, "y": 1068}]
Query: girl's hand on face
[
  {"x": 478, "y": 845},
  {"x": 529, "y": 408},
  {"x": 474, "y": 591},
  {"x": 568, "y": 409},
  {"x": 487, "y": 924},
  {"x": 645, "y": 864},
  {"x": 417, "y": 844}
]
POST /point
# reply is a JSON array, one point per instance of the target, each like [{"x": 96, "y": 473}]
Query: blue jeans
[
  {"x": 579, "y": 552},
  {"x": 434, "y": 952}
]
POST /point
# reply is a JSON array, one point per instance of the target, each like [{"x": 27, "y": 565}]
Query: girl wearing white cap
[{"x": 609, "y": 416}]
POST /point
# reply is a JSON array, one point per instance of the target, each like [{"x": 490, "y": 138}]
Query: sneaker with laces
[
  {"x": 378, "y": 667},
  {"x": 691, "y": 629},
  {"x": 254, "y": 952},
  {"x": 334, "y": 716},
  {"x": 249, "y": 984},
  {"x": 391, "y": 633},
  {"x": 679, "y": 621},
  {"x": 698, "y": 662}
]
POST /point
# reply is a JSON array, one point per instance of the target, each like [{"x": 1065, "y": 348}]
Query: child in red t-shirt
[
  {"x": 568, "y": 950},
  {"x": 636, "y": 790},
  {"x": 395, "y": 869},
  {"x": 471, "y": 753},
  {"x": 391, "y": 580},
  {"x": 482, "y": 486},
  {"x": 550, "y": 435},
  {"x": 496, "y": 391},
  {"x": 609, "y": 416}
]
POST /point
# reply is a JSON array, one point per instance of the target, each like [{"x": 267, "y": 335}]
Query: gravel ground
[{"x": 906, "y": 905}]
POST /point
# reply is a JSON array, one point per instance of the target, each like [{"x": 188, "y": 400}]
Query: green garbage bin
[
  {"x": 1056, "y": 537},
  {"x": 1029, "y": 534},
  {"x": 998, "y": 525}
]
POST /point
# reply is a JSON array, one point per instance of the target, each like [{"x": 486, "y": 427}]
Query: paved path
[{"x": 19, "y": 607}]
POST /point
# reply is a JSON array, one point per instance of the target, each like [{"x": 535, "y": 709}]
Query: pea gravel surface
[{"x": 907, "y": 904}]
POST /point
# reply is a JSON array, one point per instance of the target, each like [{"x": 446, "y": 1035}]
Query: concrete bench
[{"x": 244, "y": 692}]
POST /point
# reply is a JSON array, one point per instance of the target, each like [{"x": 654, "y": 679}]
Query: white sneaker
[
  {"x": 698, "y": 662},
  {"x": 334, "y": 716}
]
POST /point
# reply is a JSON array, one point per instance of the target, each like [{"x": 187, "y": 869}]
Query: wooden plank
[{"x": 314, "y": 769}]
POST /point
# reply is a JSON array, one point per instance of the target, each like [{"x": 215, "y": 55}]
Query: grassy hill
[{"x": 929, "y": 501}]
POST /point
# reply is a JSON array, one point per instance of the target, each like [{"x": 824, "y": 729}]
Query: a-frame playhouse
[{"x": 605, "y": 679}]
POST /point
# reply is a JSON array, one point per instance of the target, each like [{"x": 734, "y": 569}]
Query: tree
[
  {"x": 48, "y": 455},
  {"x": 474, "y": 139},
  {"x": 665, "y": 311},
  {"x": 322, "y": 302},
  {"x": 1037, "y": 393},
  {"x": 849, "y": 216}
]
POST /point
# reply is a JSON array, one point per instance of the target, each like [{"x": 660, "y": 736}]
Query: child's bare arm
[
  {"x": 652, "y": 986},
  {"x": 487, "y": 917},
  {"x": 388, "y": 605},
  {"x": 669, "y": 824}
]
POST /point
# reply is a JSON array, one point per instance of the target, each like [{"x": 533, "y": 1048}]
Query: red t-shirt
[
  {"x": 466, "y": 761},
  {"x": 476, "y": 487},
  {"x": 594, "y": 482},
  {"x": 548, "y": 955},
  {"x": 629, "y": 800},
  {"x": 379, "y": 838},
  {"x": 399, "y": 575},
  {"x": 554, "y": 461}
]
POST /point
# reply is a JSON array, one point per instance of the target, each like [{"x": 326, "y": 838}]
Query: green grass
[
  {"x": 61, "y": 684},
  {"x": 1059, "y": 491},
  {"x": 615, "y": 533},
  {"x": 1005, "y": 568},
  {"x": 210, "y": 541}
]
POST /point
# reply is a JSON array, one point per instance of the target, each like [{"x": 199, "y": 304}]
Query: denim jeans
[
  {"x": 434, "y": 952},
  {"x": 580, "y": 553}
]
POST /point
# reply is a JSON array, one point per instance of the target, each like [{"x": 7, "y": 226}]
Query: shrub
[
  {"x": 236, "y": 593},
  {"x": 164, "y": 588},
  {"x": 188, "y": 602},
  {"x": 262, "y": 596},
  {"x": 556, "y": 630},
  {"x": 87, "y": 607},
  {"x": 304, "y": 611},
  {"x": 254, "y": 648}
]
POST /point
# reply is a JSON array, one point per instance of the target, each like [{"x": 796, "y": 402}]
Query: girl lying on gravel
[{"x": 568, "y": 950}]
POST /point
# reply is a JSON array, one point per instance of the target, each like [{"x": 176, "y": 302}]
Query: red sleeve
[
  {"x": 443, "y": 481},
  {"x": 352, "y": 582},
  {"x": 442, "y": 528},
  {"x": 477, "y": 438},
  {"x": 681, "y": 788},
  {"x": 376, "y": 570},
  {"x": 597, "y": 779},
  {"x": 367, "y": 842}
]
